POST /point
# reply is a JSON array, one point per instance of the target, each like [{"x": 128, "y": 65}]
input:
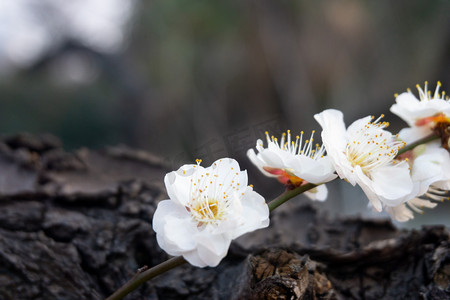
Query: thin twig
[
  {"x": 289, "y": 194},
  {"x": 140, "y": 278},
  {"x": 415, "y": 144}
]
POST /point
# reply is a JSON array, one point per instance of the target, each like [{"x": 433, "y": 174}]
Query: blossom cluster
[
  {"x": 209, "y": 207},
  {"x": 366, "y": 154}
]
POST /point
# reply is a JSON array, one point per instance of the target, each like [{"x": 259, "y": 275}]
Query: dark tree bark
[{"x": 78, "y": 226}]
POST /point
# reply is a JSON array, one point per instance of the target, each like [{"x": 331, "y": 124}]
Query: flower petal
[
  {"x": 318, "y": 193},
  {"x": 178, "y": 183},
  {"x": 312, "y": 170},
  {"x": 392, "y": 183},
  {"x": 179, "y": 231},
  {"x": 334, "y": 132},
  {"x": 256, "y": 213}
]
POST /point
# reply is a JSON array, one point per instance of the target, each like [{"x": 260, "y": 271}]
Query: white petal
[
  {"x": 178, "y": 186},
  {"x": 258, "y": 162},
  {"x": 334, "y": 138},
  {"x": 373, "y": 197},
  {"x": 273, "y": 158},
  {"x": 165, "y": 212},
  {"x": 194, "y": 258},
  {"x": 229, "y": 173},
  {"x": 165, "y": 208},
  {"x": 334, "y": 132},
  {"x": 406, "y": 107},
  {"x": 357, "y": 125},
  {"x": 413, "y": 134},
  {"x": 213, "y": 258},
  {"x": 431, "y": 166},
  {"x": 312, "y": 170},
  {"x": 217, "y": 244},
  {"x": 254, "y": 214},
  {"x": 318, "y": 193},
  {"x": 392, "y": 183},
  {"x": 180, "y": 232}
]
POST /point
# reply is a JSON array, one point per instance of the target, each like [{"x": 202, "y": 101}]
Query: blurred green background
[{"x": 187, "y": 79}]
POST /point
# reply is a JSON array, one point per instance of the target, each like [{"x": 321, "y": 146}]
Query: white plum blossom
[
  {"x": 364, "y": 154},
  {"x": 430, "y": 113},
  {"x": 418, "y": 112},
  {"x": 294, "y": 162},
  {"x": 208, "y": 207},
  {"x": 430, "y": 173}
]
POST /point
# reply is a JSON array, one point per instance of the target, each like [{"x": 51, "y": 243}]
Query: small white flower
[
  {"x": 364, "y": 154},
  {"x": 430, "y": 173},
  {"x": 424, "y": 115},
  {"x": 294, "y": 163},
  {"x": 208, "y": 207}
]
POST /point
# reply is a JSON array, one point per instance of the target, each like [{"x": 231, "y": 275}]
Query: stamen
[
  {"x": 297, "y": 147},
  {"x": 370, "y": 149}
]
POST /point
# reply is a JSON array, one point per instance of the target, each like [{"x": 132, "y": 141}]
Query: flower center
[
  {"x": 212, "y": 193},
  {"x": 207, "y": 210},
  {"x": 372, "y": 147}
]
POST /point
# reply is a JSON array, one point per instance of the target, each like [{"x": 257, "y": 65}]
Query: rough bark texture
[{"x": 78, "y": 226}]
